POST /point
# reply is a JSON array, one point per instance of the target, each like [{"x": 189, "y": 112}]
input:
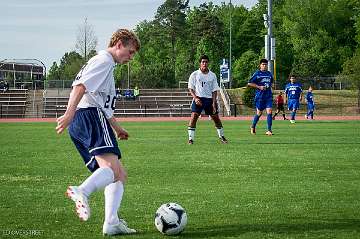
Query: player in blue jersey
[
  {"x": 92, "y": 128},
  {"x": 262, "y": 81},
  {"x": 293, "y": 96},
  {"x": 310, "y": 104}
]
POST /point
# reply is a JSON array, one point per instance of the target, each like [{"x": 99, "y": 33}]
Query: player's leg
[
  {"x": 192, "y": 126},
  {"x": 87, "y": 125},
  {"x": 255, "y": 121},
  {"x": 113, "y": 192},
  {"x": 292, "y": 108},
  {"x": 283, "y": 112},
  {"x": 311, "y": 111},
  {"x": 276, "y": 113},
  {"x": 98, "y": 179},
  {"x": 214, "y": 114},
  {"x": 307, "y": 112},
  {"x": 219, "y": 128},
  {"x": 293, "y": 114},
  {"x": 260, "y": 106},
  {"x": 195, "y": 114},
  {"x": 269, "y": 117}
]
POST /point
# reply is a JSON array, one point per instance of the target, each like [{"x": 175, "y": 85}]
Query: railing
[
  {"x": 226, "y": 99},
  {"x": 12, "y": 111},
  {"x": 144, "y": 110}
]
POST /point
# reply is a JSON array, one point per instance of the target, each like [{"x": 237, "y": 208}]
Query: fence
[{"x": 58, "y": 84}]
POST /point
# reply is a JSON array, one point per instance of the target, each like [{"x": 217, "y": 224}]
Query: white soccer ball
[{"x": 170, "y": 219}]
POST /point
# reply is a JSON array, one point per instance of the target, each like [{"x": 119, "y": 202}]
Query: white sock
[
  {"x": 191, "y": 132},
  {"x": 113, "y": 196},
  {"x": 98, "y": 180},
  {"x": 220, "y": 132}
]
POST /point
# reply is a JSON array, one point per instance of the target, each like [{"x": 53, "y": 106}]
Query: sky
[{"x": 47, "y": 29}]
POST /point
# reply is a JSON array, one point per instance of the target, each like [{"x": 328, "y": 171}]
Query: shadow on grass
[{"x": 233, "y": 230}]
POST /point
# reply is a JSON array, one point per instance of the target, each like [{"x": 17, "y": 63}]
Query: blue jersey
[
  {"x": 293, "y": 91},
  {"x": 262, "y": 78},
  {"x": 309, "y": 98}
]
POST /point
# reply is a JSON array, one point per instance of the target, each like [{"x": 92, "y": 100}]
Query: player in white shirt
[
  {"x": 203, "y": 88},
  {"x": 92, "y": 128}
]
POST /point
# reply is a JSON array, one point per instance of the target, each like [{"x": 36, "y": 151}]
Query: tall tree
[
  {"x": 244, "y": 67},
  {"x": 206, "y": 35},
  {"x": 320, "y": 34},
  {"x": 171, "y": 17},
  {"x": 69, "y": 66},
  {"x": 351, "y": 69},
  {"x": 86, "y": 41}
]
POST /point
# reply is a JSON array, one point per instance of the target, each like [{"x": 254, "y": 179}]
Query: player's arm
[
  {"x": 121, "y": 133},
  {"x": 253, "y": 85},
  {"x": 195, "y": 97},
  {"x": 214, "y": 97},
  {"x": 191, "y": 87},
  {"x": 75, "y": 96},
  {"x": 286, "y": 93},
  {"x": 214, "y": 101}
]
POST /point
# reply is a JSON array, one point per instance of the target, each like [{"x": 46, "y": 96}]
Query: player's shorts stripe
[
  {"x": 105, "y": 128},
  {"x": 102, "y": 147},
  {"x": 92, "y": 158}
]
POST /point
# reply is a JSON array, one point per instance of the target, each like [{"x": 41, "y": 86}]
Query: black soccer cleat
[{"x": 223, "y": 140}]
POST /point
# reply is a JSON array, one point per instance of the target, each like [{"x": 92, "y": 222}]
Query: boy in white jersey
[
  {"x": 203, "y": 88},
  {"x": 89, "y": 115}
]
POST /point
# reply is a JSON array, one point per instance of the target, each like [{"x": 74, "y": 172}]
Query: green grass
[{"x": 303, "y": 182}]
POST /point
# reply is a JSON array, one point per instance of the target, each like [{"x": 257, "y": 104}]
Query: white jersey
[
  {"x": 203, "y": 84},
  {"x": 98, "y": 78}
]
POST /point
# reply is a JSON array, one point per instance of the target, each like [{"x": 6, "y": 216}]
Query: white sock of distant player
[
  {"x": 113, "y": 196},
  {"x": 98, "y": 180},
  {"x": 220, "y": 132},
  {"x": 191, "y": 132}
]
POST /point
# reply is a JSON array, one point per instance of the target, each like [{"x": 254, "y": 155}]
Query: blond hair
[{"x": 126, "y": 37}]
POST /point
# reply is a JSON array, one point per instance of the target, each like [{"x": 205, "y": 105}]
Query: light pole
[
  {"x": 230, "y": 56},
  {"x": 269, "y": 40}
]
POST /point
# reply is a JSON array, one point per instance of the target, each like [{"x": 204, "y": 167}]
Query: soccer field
[{"x": 303, "y": 182}]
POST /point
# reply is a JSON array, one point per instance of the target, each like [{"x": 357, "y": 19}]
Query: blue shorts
[
  {"x": 92, "y": 135},
  {"x": 206, "y": 106},
  {"x": 262, "y": 104},
  {"x": 293, "y": 104},
  {"x": 310, "y": 106}
]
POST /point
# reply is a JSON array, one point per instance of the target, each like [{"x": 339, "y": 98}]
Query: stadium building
[{"x": 23, "y": 74}]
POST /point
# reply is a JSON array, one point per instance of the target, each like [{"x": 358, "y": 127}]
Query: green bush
[{"x": 248, "y": 97}]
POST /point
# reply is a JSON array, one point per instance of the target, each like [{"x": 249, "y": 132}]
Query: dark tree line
[{"x": 313, "y": 38}]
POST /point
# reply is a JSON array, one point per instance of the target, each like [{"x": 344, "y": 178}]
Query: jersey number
[{"x": 112, "y": 102}]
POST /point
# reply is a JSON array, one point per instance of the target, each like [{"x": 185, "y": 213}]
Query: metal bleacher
[
  {"x": 13, "y": 103},
  {"x": 150, "y": 103}
]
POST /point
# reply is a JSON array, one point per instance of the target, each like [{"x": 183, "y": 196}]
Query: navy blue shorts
[
  {"x": 293, "y": 104},
  {"x": 310, "y": 106},
  {"x": 92, "y": 135},
  {"x": 206, "y": 106},
  {"x": 262, "y": 104}
]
